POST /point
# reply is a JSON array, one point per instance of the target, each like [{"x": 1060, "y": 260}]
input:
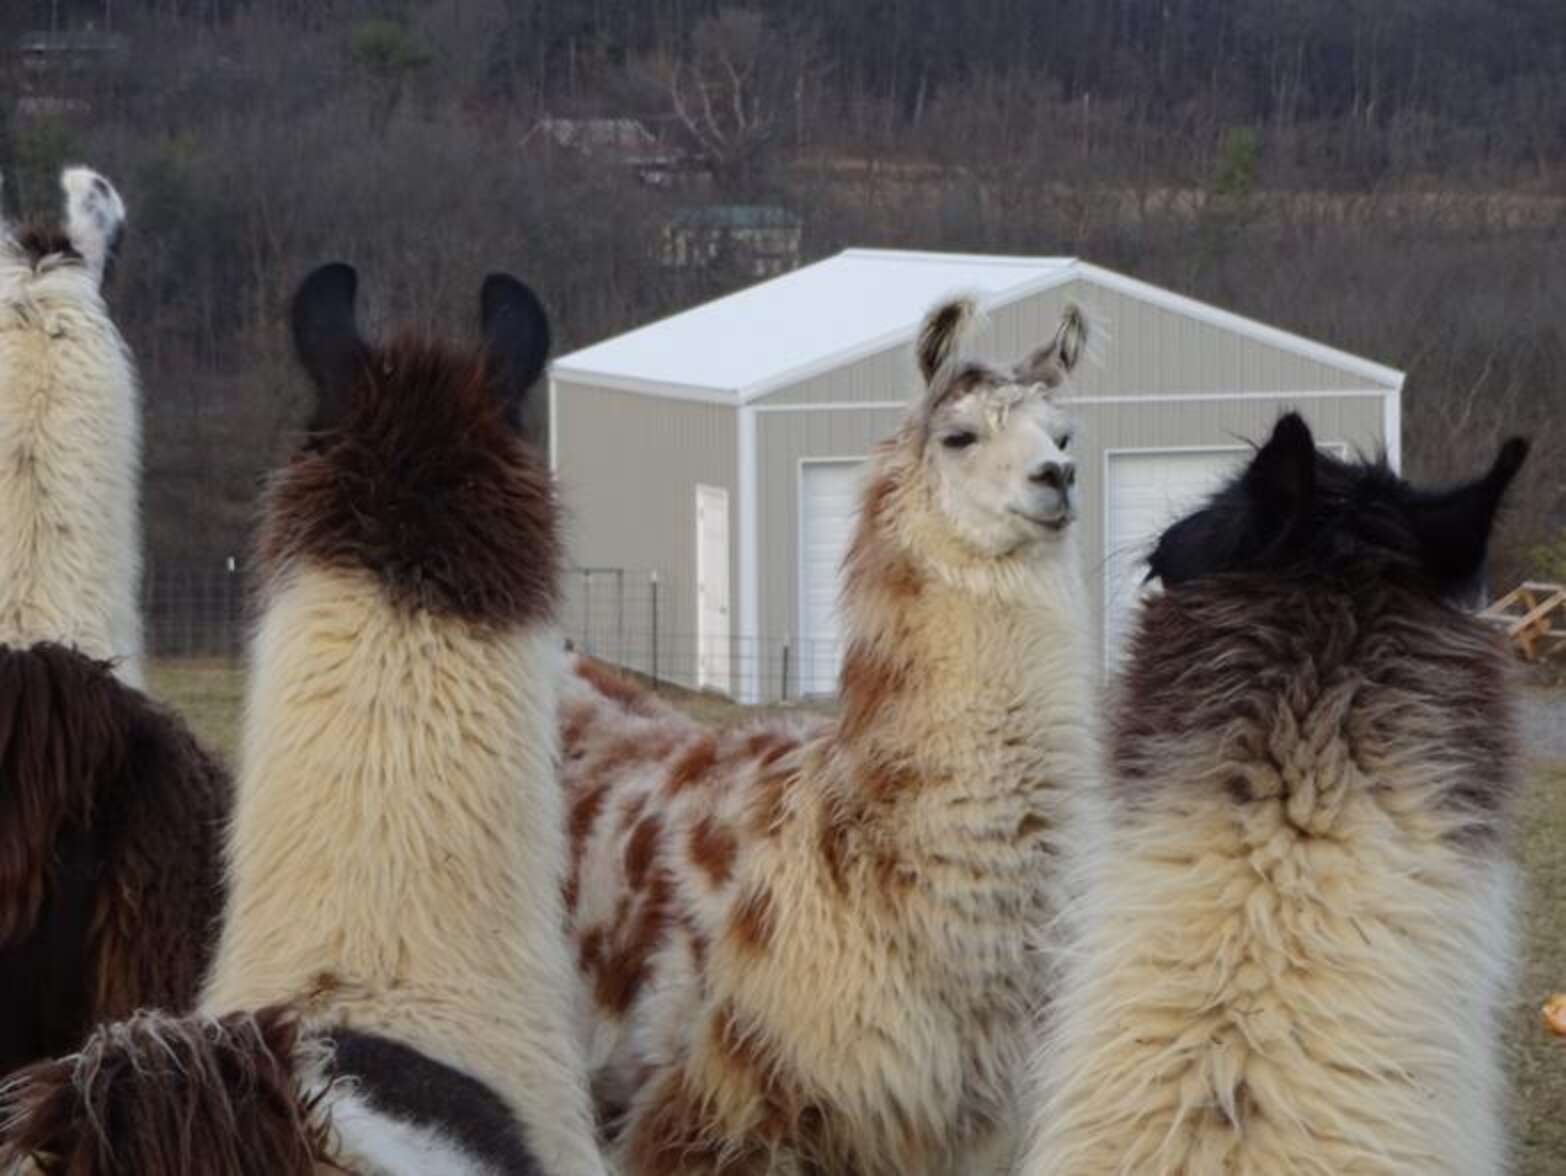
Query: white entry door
[
  {"x": 828, "y": 508},
  {"x": 712, "y": 589},
  {"x": 1147, "y": 492}
]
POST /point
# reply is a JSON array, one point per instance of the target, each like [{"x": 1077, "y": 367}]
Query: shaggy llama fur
[
  {"x": 396, "y": 857},
  {"x": 808, "y": 945},
  {"x": 1296, "y": 935},
  {"x": 70, "y": 438},
  {"x": 109, "y": 811}
]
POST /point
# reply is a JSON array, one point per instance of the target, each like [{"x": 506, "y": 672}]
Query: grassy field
[{"x": 208, "y": 694}]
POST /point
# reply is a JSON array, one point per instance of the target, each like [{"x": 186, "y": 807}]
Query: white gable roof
[{"x": 742, "y": 346}]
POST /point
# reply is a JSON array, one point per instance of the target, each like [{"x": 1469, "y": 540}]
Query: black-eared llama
[
  {"x": 392, "y": 992},
  {"x": 1296, "y": 935},
  {"x": 808, "y": 945},
  {"x": 110, "y": 813}
]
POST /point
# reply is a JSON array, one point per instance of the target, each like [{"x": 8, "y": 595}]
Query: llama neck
[
  {"x": 395, "y": 855},
  {"x": 70, "y": 472},
  {"x": 947, "y": 661}
]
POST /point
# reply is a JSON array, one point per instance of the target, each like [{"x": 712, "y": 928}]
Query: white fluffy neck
[{"x": 70, "y": 474}]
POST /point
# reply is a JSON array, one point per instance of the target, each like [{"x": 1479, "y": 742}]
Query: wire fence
[
  {"x": 626, "y": 617},
  {"x": 630, "y": 618}
]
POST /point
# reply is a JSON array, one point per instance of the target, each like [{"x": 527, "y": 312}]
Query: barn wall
[{"x": 628, "y": 467}]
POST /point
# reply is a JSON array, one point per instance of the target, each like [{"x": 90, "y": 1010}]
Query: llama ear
[
  {"x": 1281, "y": 479},
  {"x": 1453, "y": 528},
  {"x": 326, "y": 338},
  {"x": 941, "y": 335},
  {"x": 516, "y": 337},
  {"x": 1052, "y": 363},
  {"x": 94, "y": 217}
]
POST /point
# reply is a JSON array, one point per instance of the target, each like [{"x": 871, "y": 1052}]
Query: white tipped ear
[{"x": 94, "y": 216}]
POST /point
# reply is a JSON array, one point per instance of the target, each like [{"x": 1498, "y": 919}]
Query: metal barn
[{"x": 709, "y": 462}]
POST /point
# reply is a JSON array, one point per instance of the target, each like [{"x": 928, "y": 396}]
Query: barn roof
[{"x": 747, "y": 344}]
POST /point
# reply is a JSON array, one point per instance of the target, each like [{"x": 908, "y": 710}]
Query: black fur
[
  {"x": 406, "y": 1085},
  {"x": 1296, "y": 509}
]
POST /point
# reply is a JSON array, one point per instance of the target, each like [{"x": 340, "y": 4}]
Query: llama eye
[
  {"x": 959, "y": 440},
  {"x": 1064, "y": 443}
]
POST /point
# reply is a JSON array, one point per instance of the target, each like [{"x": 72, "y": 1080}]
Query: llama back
[
  {"x": 1297, "y": 936},
  {"x": 70, "y": 437},
  {"x": 661, "y": 813}
]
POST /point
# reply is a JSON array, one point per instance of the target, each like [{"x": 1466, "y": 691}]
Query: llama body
[
  {"x": 70, "y": 439},
  {"x": 110, "y": 812},
  {"x": 395, "y": 862},
  {"x": 808, "y": 945},
  {"x": 1297, "y": 930}
]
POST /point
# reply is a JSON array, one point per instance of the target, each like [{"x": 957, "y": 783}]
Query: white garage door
[
  {"x": 1147, "y": 492},
  {"x": 828, "y": 506}
]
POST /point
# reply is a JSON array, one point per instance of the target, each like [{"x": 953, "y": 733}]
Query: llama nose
[{"x": 1057, "y": 474}]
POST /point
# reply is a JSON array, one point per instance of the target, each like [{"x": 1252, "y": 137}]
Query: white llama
[
  {"x": 396, "y": 855},
  {"x": 70, "y": 437},
  {"x": 808, "y": 946},
  {"x": 1296, "y": 933}
]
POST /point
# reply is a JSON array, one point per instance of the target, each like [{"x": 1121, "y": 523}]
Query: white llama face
[{"x": 1001, "y": 464}]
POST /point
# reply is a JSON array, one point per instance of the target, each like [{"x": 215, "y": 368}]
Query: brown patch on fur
[
  {"x": 750, "y": 924},
  {"x": 426, "y": 486},
  {"x": 713, "y": 849},
  {"x": 867, "y": 684},
  {"x": 111, "y": 880},
  {"x": 164, "y": 1094},
  {"x": 41, "y": 240},
  {"x": 641, "y": 849},
  {"x": 576, "y": 717},
  {"x": 617, "y": 688},
  {"x": 1031, "y": 825},
  {"x": 585, "y": 808},
  {"x": 697, "y": 761},
  {"x": 1419, "y": 681},
  {"x": 624, "y": 967},
  {"x": 883, "y": 781},
  {"x": 670, "y": 1138}
]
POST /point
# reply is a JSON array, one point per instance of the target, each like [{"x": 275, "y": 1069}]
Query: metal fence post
[
  {"x": 784, "y": 696},
  {"x": 653, "y": 583}
]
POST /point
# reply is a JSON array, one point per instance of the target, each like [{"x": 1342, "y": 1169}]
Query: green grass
[{"x": 208, "y": 693}]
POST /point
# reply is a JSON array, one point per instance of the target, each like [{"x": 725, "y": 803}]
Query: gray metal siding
[
  {"x": 628, "y": 466},
  {"x": 782, "y": 440}
]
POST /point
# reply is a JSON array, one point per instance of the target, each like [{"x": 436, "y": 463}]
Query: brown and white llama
[
  {"x": 110, "y": 813},
  {"x": 1296, "y": 936},
  {"x": 70, "y": 437},
  {"x": 393, "y": 976},
  {"x": 808, "y": 945}
]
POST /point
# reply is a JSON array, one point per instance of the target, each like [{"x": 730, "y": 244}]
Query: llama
[
  {"x": 110, "y": 813},
  {"x": 70, "y": 437},
  {"x": 1296, "y": 935},
  {"x": 807, "y": 945},
  {"x": 397, "y": 853}
]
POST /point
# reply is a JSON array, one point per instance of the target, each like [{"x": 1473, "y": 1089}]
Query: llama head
[
  {"x": 415, "y": 470},
  {"x": 994, "y": 445},
  {"x": 1295, "y": 509},
  {"x": 85, "y": 240}
]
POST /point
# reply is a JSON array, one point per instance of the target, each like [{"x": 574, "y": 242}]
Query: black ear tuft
[
  {"x": 1282, "y": 476},
  {"x": 326, "y": 337},
  {"x": 516, "y": 337},
  {"x": 1507, "y": 463},
  {"x": 1453, "y": 528}
]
